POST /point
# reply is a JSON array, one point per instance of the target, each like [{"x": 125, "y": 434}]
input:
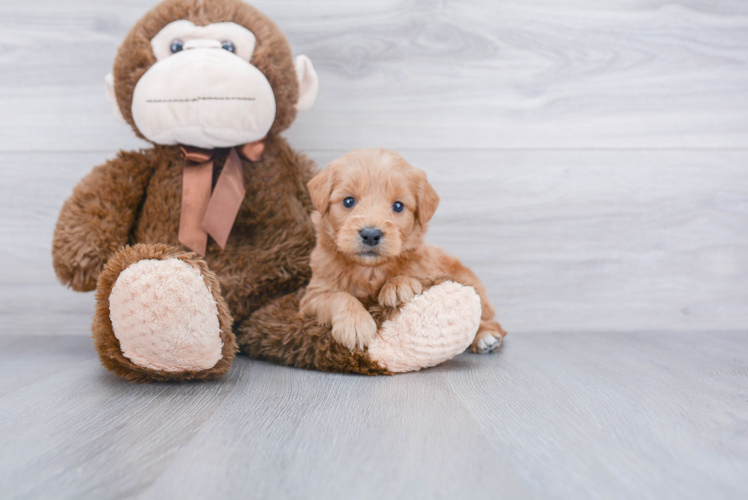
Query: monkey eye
[
  {"x": 176, "y": 46},
  {"x": 349, "y": 202},
  {"x": 398, "y": 207},
  {"x": 228, "y": 45}
]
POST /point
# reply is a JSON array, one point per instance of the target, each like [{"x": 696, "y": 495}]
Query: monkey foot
[
  {"x": 160, "y": 316},
  {"x": 165, "y": 317},
  {"x": 430, "y": 329}
]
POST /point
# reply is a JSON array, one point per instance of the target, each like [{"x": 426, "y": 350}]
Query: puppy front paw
[
  {"x": 354, "y": 329},
  {"x": 398, "y": 290}
]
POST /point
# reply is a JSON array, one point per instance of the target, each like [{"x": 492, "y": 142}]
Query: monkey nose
[{"x": 201, "y": 43}]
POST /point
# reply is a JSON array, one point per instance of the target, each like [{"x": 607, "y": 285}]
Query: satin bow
[{"x": 213, "y": 214}]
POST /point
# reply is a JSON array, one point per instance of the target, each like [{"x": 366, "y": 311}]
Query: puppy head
[{"x": 372, "y": 205}]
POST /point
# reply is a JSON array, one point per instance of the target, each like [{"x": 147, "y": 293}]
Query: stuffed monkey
[{"x": 199, "y": 246}]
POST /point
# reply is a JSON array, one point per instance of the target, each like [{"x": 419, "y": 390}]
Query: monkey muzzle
[{"x": 203, "y": 96}]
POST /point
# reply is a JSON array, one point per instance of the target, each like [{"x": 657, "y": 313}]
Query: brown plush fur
[
  {"x": 272, "y": 53},
  {"x": 136, "y": 199},
  {"x": 345, "y": 270},
  {"x": 302, "y": 342}
]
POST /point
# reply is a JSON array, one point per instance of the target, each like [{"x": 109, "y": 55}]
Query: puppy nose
[{"x": 371, "y": 236}]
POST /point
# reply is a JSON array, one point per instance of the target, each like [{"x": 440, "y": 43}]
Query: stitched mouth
[{"x": 195, "y": 99}]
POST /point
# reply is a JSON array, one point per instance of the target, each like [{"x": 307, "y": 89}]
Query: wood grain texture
[
  {"x": 421, "y": 74},
  {"x": 551, "y": 416},
  {"x": 564, "y": 241}
]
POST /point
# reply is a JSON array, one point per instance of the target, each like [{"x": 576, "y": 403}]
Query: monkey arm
[{"x": 97, "y": 218}]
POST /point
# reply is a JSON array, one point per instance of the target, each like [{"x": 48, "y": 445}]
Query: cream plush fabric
[
  {"x": 308, "y": 83},
  {"x": 432, "y": 328},
  {"x": 185, "y": 31},
  {"x": 205, "y": 97},
  {"x": 164, "y": 316}
]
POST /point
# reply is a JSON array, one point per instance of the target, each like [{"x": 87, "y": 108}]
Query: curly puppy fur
[
  {"x": 135, "y": 198},
  {"x": 373, "y": 210}
]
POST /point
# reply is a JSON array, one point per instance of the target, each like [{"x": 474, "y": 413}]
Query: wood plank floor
[{"x": 551, "y": 416}]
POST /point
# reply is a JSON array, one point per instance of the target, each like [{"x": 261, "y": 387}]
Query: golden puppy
[{"x": 372, "y": 212}]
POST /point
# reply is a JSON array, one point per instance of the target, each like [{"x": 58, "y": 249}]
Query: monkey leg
[
  {"x": 278, "y": 333},
  {"x": 430, "y": 329},
  {"x": 160, "y": 316}
]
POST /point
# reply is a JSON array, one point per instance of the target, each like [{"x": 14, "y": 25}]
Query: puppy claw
[
  {"x": 487, "y": 343},
  {"x": 399, "y": 290},
  {"x": 355, "y": 330}
]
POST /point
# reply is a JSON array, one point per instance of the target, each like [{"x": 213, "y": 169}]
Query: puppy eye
[
  {"x": 176, "y": 46},
  {"x": 349, "y": 202},
  {"x": 398, "y": 207},
  {"x": 228, "y": 45}
]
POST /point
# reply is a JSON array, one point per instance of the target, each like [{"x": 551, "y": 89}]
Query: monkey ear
[
  {"x": 112, "y": 98},
  {"x": 308, "y": 83},
  {"x": 427, "y": 198},
  {"x": 320, "y": 189}
]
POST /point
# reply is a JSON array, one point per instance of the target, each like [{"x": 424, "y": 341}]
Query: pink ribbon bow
[{"x": 205, "y": 213}]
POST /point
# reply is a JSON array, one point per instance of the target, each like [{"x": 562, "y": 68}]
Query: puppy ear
[
  {"x": 320, "y": 188},
  {"x": 427, "y": 199}
]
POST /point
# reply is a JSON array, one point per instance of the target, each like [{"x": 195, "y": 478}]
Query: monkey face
[
  {"x": 203, "y": 91},
  {"x": 208, "y": 74}
]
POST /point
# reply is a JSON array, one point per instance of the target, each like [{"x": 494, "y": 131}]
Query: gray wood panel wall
[{"x": 592, "y": 157}]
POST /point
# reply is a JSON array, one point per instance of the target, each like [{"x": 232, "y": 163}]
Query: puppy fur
[{"x": 395, "y": 264}]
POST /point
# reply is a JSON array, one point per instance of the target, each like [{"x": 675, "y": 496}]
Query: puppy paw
[
  {"x": 399, "y": 290},
  {"x": 354, "y": 329},
  {"x": 486, "y": 342}
]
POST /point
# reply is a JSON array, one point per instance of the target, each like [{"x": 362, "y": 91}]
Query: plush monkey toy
[{"x": 199, "y": 246}]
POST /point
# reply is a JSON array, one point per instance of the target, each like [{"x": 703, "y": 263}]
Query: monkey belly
[{"x": 267, "y": 253}]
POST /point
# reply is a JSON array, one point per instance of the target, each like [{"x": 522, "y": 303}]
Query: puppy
[{"x": 372, "y": 211}]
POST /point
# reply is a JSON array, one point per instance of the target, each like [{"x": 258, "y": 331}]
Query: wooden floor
[
  {"x": 592, "y": 161},
  {"x": 644, "y": 416}
]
